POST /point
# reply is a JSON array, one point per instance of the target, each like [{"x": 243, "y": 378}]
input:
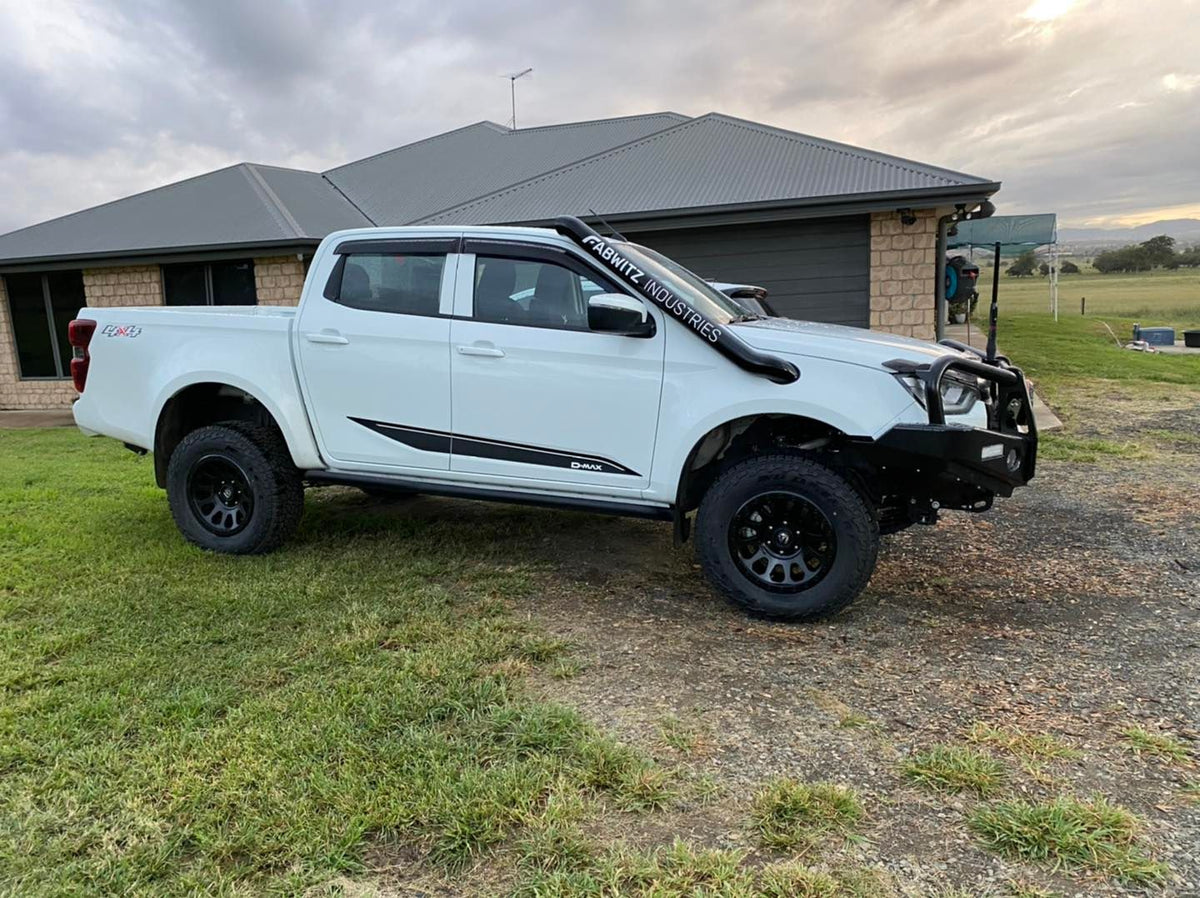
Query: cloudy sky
[{"x": 1088, "y": 108}]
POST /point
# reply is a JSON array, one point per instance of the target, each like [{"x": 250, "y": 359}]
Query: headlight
[{"x": 959, "y": 394}]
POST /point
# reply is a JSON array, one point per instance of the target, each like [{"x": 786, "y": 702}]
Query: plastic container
[{"x": 1158, "y": 336}]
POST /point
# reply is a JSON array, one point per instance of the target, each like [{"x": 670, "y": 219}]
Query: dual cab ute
[{"x": 561, "y": 368}]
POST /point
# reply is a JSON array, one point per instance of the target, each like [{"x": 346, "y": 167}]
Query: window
[
  {"x": 406, "y": 284},
  {"x": 210, "y": 284},
  {"x": 42, "y": 305},
  {"x": 534, "y": 293}
]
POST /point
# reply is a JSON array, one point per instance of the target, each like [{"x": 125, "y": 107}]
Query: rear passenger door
[
  {"x": 538, "y": 396},
  {"x": 373, "y": 353}
]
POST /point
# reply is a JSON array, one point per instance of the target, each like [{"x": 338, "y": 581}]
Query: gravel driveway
[{"x": 1071, "y": 610}]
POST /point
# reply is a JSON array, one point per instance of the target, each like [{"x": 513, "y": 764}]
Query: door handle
[
  {"x": 331, "y": 337},
  {"x": 490, "y": 352}
]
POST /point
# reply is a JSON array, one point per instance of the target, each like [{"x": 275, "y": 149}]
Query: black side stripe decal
[{"x": 481, "y": 447}]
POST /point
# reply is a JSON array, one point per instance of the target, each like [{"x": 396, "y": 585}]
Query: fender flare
[{"x": 301, "y": 446}]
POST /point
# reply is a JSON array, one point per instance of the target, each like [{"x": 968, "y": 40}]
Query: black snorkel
[{"x": 721, "y": 338}]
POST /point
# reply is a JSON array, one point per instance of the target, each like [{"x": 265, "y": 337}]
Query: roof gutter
[{"x": 115, "y": 258}]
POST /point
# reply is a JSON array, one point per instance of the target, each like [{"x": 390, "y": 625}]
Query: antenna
[
  {"x": 512, "y": 80},
  {"x": 615, "y": 232}
]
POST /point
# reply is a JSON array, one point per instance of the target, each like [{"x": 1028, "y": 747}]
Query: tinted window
[
  {"x": 224, "y": 283},
  {"x": 66, "y": 299},
  {"x": 37, "y": 325},
  {"x": 522, "y": 291},
  {"x": 233, "y": 284},
  {"x": 386, "y": 282},
  {"x": 28, "y": 304},
  {"x": 185, "y": 285}
]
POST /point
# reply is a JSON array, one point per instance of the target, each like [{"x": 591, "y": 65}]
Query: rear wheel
[
  {"x": 232, "y": 488},
  {"x": 786, "y": 537}
]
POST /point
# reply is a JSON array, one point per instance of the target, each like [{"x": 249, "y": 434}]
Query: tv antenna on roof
[{"x": 512, "y": 80}]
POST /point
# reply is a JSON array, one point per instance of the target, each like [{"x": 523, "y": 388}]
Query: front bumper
[
  {"x": 952, "y": 463},
  {"x": 957, "y": 466}
]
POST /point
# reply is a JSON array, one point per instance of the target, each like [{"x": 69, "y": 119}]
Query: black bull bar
[{"x": 956, "y": 463}]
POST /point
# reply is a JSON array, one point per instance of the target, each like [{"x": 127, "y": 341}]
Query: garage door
[{"x": 817, "y": 270}]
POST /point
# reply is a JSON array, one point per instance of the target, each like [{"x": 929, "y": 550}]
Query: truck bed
[{"x": 140, "y": 356}]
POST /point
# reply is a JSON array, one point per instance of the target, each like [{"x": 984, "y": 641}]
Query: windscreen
[{"x": 701, "y": 295}]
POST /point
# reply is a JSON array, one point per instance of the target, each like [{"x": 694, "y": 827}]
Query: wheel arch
[
  {"x": 731, "y": 441},
  {"x": 202, "y": 402}
]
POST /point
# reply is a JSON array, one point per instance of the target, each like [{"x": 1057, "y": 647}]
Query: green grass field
[
  {"x": 1077, "y": 365},
  {"x": 176, "y": 722},
  {"x": 1151, "y": 298}
]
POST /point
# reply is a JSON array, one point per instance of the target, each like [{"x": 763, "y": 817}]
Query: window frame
[
  {"x": 60, "y": 364},
  {"x": 447, "y": 247},
  {"x": 208, "y": 279},
  {"x": 474, "y": 248}
]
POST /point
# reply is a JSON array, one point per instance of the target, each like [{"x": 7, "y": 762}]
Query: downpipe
[{"x": 982, "y": 210}]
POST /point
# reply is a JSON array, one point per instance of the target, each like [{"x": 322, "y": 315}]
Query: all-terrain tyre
[
  {"x": 232, "y": 488},
  {"x": 786, "y": 537}
]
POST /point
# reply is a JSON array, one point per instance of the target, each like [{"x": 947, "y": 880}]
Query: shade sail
[{"x": 1007, "y": 230}]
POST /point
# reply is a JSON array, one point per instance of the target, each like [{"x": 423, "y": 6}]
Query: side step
[{"x": 463, "y": 491}]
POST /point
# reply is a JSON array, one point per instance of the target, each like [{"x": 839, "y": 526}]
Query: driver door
[{"x": 537, "y": 396}]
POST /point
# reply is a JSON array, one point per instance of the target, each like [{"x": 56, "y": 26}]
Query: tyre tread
[
  {"x": 286, "y": 487},
  {"x": 711, "y": 535}
]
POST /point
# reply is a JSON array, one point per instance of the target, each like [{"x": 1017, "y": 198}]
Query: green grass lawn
[
  {"x": 1152, "y": 297},
  {"x": 1075, "y": 362},
  {"x": 1093, "y": 384},
  {"x": 173, "y": 722},
  {"x": 1058, "y": 355}
]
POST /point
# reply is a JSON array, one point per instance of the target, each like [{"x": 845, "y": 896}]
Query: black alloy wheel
[
  {"x": 233, "y": 488},
  {"x": 782, "y": 542},
  {"x": 786, "y": 537},
  {"x": 219, "y": 495}
]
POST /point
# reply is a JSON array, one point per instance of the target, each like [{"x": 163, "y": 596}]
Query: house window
[
  {"x": 41, "y": 306},
  {"x": 210, "y": 283}
]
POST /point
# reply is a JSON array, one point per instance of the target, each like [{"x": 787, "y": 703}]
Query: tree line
[
  {"x": 1157, "y": 252},
  {"x": 1026, "y": 264}
]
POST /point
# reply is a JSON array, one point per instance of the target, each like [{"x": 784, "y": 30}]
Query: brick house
[{"x": 834, "y": 232}]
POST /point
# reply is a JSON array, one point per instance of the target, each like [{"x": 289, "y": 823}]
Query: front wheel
[
  {"x": 232, "y": 488},
  {"x": 786, "y": 537}
]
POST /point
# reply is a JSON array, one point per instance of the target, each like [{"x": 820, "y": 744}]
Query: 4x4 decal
[{"x": 482, "y": 447}]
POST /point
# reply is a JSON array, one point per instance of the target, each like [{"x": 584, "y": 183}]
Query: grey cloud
[{"x": 154, "y": 90}]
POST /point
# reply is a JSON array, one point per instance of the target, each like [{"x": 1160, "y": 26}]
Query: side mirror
[{"x": 616, "y": 313}]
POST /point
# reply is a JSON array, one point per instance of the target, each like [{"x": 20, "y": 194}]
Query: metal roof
[
  {"x": 413, "y": 181},
  {"x": 241, "y": 205},
  {"x": 706, "y": 163},
  {"x": 659, "y": 163}
]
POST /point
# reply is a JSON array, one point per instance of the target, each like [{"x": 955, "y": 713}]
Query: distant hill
[{"x": 1184, "y": 230}]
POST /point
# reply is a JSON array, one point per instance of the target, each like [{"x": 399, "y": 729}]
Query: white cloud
[{"x": 1185, "y": 83}]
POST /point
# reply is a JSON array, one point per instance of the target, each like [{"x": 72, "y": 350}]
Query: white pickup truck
[{"x": 560, "y": 368}]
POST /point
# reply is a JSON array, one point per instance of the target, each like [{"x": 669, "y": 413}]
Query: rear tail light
[{"x": 79, "y": 335}]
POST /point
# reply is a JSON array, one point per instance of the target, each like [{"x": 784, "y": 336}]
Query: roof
[
  {"x": 243, "y": 205},
  {"x": 707, "y": 162},
  {"x": 408, "y": 183},
  {"x": 484, "y": 173}
]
